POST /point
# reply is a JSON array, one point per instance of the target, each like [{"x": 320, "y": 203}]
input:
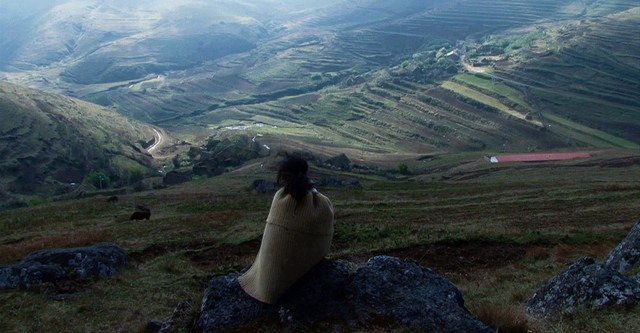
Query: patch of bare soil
[
  {"x": 457, "y": 257},
  {"x": 67, "y": 289},
  {"x": 206, "y": 254},
  {"x": 449, "y": 258},
  {"x": 225, "y": 257}
]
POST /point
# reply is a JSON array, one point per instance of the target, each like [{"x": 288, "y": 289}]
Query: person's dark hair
[{"x": 293, "y": 175}]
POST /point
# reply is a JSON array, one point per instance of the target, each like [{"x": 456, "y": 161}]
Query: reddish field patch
[{"x": 538, "y": 157}]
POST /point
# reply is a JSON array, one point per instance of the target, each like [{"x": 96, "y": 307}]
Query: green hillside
[
  {"x": 385, "y": 83},
  {"x": 498, "y": 232},
  {"x": 50, "y": 142},
  {"x": 409, "y": 98}
]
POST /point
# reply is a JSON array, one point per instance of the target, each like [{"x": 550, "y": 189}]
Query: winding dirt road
[{"x": 158, "y": 141}]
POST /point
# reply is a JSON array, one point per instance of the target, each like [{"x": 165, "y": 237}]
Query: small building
[{"x": 453, "y": 55}]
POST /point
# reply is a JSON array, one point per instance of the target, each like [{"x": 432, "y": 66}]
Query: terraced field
[
  {"x": 384, "y": 110},
  {"x": 570, "y": 83},
  {"x": 370, "y": 79}
]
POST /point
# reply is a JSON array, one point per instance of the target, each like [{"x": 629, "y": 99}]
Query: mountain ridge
[
  {"x": 384, "y": 83},
  {"x": 51, "y": 142}
]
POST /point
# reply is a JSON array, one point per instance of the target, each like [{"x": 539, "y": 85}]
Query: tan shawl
[{"x": 294, "y": 240}]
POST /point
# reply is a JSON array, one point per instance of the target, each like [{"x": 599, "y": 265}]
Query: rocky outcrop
[
  {"x": 584, "y": 285},
  {"x": 176, "y": 322},
  {"x": 341, "y": 162},
  {"x": 176, "y": 177},
  {"x": 626, "y": 256},
  {"x": 339, "y": 182},
  {"x": 386, "y": 288},
  {"x": 55, "y": 265},
  {"x": 588, "y": 285},
  {"x": 264, "y": 186}
]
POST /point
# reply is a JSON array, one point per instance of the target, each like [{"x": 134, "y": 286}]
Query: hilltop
[{"x": 50, "y": 143}]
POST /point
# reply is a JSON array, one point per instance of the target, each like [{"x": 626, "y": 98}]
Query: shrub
[
  {"x": 403, "y": 168},
  {"x": 135, "y": 176},
  {"x": 503, "y": 318},
  {"x": 98, "y": 179}
]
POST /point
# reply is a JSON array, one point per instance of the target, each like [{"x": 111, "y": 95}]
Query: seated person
[{"x": 296, "y": 237}]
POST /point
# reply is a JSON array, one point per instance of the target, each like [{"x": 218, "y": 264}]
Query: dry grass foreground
[{"x": 499, "y": 236}]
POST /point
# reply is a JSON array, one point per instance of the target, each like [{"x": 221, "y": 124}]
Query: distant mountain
[
  {"x": 49, "y": 142},
  {"x": 377, "y": 80}
]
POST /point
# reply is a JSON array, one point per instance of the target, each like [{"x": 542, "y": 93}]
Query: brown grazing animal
[{"x": 143, "y": 214}]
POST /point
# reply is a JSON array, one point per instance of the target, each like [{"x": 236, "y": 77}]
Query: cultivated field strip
[
  {"x": 572, "y": 84},
  {"x": 477, "y": 16},
  {"x": 527, "y": 207},
  {"x": 379, "y": 108},
  {"x": 459, "y": 20}
]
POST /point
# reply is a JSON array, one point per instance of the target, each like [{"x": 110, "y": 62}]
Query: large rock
[
  {"x": 264, "y": 186},
  {"x": 341, "y": 162},
  {"x": 385, "y": 288},
  {"x": 587, "y": 285},
  {"x": 626, "y": 256},
  {"x": 414, "y": 296},
  {"x": 97, "y": 261},
  {"x": 175, "y": 177},
  {"x": 339, "y": 182}
]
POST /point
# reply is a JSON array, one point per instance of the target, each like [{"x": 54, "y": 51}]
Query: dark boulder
[
  {"x": 338, "y": 182},
  {"x": 585, "y": 285},
  {"x": 264, "y": 186},
  {"x": 385, "y": 288},
  {"x": 176, "y": 322},
  {"x": 226, "y": 305},
  {"x": 175, "y": 177},
  {"x": 413, "y": 296},
  {"x": 54, "y": 265},
  {"x": 203, "y": 169},
  {"x": 588, "y": 285},
  {"x": 626, "y": 256},
  {"x": 341, "y": 162}
]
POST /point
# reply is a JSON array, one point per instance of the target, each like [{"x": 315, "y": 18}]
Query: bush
[
  {"x": 98, "y": 179},
  {"x": 403, "y": 169},
  {"x": 135, "y": 176}
]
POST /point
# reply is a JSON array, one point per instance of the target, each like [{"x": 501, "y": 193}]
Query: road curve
[{"x": 157, "y": 136}]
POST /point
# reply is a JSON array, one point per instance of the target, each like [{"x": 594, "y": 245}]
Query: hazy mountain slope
[
  {"x": 140, "y": 36},
  {"x": 49, "y": 141},
  {"x": 372, "y": 78},
  {"x": 404, "y": 109}
]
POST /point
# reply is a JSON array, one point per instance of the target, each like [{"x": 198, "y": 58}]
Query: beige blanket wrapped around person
[{"x": 294, "y": 240}]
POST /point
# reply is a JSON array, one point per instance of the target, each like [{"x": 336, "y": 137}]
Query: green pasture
[{"x": 549, "y": 213}]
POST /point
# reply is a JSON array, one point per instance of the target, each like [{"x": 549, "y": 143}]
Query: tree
[
  {"x": 135, "y": 176},
  {"x": 98, "y": 179},
  {"x": 403, "y": 168}
]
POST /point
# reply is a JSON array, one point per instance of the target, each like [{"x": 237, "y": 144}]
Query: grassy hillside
[
  {"x": 50, "y": 142},
  {"x": 373, "y": 79},
  {"x": 499, "y": 232},
  {"x": 376, "y": 81},
  {"x": 383, "y": 83},
  {"x": 415, "y": 93}
]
